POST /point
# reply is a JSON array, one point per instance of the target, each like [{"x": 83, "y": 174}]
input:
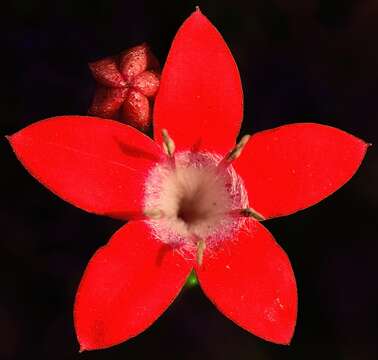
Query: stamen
[
  {"x": 249, "y": 212},
  {"x": 235, "y": 152},
  {"x": 154, "y": 214},
  {"x": 168, "y": 144},
  {"x": 201, "y": 246}
]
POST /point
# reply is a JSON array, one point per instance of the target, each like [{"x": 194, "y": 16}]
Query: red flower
[
  {"x": 126, "y": 85},
  {"x": 193, "y": 204}
]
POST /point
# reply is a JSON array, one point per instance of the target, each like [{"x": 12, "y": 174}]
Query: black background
[{"x": 300, "y": 60}]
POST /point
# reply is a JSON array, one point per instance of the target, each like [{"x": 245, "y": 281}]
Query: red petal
[
  {"x": 107, "y": 102},
  {"x": 251, "y": 281},
  {"x": 106, "y": 72},
  {"x": 136, "y": 110},
  {"x": 147, "y": 83},
  {"x": 95, "y": 164},
  {"x": 136, "y": 60},
  {"x": 200, "y": 100},
  {"x": 295, "y": 166},
  {"x": 127, "y": 285}
]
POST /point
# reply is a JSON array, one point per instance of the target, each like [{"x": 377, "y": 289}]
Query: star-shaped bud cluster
[{"x": 126, "y": 86}]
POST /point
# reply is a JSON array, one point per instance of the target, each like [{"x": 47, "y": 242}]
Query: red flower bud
[
  {"x": 126, "y": 87},
  {"x": 147, "y": 83},
  {"x": 137, "y": 110}
]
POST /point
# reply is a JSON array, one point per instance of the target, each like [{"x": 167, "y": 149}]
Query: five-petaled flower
[
  {"x": 193, "y": 196},
  {"x": 127, "y": 84}
]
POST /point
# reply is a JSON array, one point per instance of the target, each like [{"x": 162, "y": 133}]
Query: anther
[
  {"x": 168, "y": 143},
  {"x": 201, "y": 246},
  {"x": 249, "y": 212},
  {"x": 235, "y": 152},
  {"x": 154, "y": 214}
]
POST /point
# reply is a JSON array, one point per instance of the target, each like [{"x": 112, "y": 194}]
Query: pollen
[{"x": 198, "y": 199}]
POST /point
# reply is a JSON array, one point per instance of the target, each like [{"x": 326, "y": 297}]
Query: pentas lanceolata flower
[
  {"x": 195, "y": 199},
  {"x": 127, "y": 85}
]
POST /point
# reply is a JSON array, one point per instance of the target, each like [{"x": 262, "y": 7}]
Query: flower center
[{"x": 195, "y": 200}]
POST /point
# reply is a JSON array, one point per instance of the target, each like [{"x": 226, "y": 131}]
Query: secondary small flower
[
  {"x": 127, "y": 84},
  {"x": 194, "y": 197}
]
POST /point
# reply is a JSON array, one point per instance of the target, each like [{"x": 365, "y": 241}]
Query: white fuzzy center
[{"x": 197, "y": 200}]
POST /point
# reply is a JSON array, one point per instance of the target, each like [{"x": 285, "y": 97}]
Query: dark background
[{"x": 300, "y": 60}]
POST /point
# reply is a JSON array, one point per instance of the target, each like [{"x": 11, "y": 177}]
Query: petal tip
[
  {"x": 11, "y": 139},
  {"x": 285, "y": 340},
  {"x": 198, "y": 15},
  {"x": 283, "y": 336}
]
